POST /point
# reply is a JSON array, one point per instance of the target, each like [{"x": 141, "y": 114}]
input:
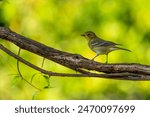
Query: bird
[{"x": 100, "y": 46}]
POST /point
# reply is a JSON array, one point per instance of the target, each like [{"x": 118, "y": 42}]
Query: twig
[{"x": 22, "y": 75}]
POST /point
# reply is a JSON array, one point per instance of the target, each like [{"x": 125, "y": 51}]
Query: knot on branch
[{"x": 77, "y": 56}]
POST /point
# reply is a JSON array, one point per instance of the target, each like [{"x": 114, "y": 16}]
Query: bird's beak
[{"x": 82, "y": 34}]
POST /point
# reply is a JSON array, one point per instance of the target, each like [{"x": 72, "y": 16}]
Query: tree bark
[{"x": 125, "y": 71}]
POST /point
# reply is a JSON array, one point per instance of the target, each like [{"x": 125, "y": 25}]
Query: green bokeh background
[{"x": 59, "y": 23}]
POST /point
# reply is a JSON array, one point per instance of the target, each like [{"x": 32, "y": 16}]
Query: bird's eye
[{"x": 88, "y": 34}]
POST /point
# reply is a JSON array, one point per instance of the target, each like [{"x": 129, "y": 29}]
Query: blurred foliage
[{"x": 59, "y": 23}]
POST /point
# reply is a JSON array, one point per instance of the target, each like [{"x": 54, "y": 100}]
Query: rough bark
[{"x": 126, "y": 71}]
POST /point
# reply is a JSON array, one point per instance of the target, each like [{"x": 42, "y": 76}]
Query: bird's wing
[{"x": 99, "y": 42}]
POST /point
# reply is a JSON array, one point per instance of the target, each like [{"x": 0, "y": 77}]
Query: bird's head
[{"x": 89, "y": 35}]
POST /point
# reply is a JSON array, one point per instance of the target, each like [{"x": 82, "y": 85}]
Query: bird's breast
[
  {"x": 101, "y": 49},
  {"x": 97, "y": 50}
]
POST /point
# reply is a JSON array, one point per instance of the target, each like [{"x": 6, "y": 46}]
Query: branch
[
  {"x": 74, "y": 61},
  {"x": 127, "y": 76}
]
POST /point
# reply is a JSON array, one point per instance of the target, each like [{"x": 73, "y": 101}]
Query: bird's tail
[{"x": 123, "y": 49}]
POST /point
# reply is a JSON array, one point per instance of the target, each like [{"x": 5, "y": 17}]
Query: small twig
[
  {"x": 43, "y": 62},
  {"x": 22, "y": 75},
  {"x": 18, "y": 65}
]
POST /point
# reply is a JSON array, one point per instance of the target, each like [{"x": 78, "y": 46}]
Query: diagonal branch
[
  {"x": 77, "y": 62},
  {"x": 119, "y": 76}
]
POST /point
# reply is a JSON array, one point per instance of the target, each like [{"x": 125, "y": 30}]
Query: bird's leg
[
  {"x": 107, "y": 58},
  {"x": 95, "y": 56}
]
